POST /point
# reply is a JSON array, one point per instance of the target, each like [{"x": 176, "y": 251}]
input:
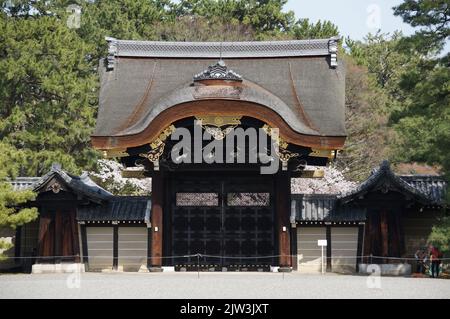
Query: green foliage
[
  {"x": 4, "y": 246},
  {"x": 366, "y": 122},
  {"x": 374, "y": 69},
  {"x": 423, "y": 120},
  {"x": 385, "y": 63},
  {"x": 197, "y": 28},
  {"x": 304, "y": 29},
  {"x": 263, "y": 16},
  {"x": 10, "y": 215},
  {"x": 440, "y": 234},
  {"x": 48, "y": 93},
  {"x": 433, "y": 19}
]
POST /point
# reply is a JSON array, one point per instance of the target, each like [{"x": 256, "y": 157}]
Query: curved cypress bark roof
[{"x": 299, "y": 83}]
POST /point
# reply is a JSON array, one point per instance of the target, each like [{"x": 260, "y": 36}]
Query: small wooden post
[
  {"x": 58, "y": 240},
  {"x": 115, "y": 247},
  {"x": 149, "y": 246},
  {"x": 84, "y": 244},
  {"x": 157, "y": 218},
  {"x": 282, "y": 207},
  {"x": 294, "y": 260},
  {"x": 360, "y": 249},
  {"x": 329, "y": 260}
]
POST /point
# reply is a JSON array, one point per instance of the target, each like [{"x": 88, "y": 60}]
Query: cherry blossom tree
[
  {"x": 109, "y": 176},
  {"x": 333, "y": 182}
]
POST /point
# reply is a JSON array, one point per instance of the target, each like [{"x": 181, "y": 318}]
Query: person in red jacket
[{"x": 435, "y": 258}]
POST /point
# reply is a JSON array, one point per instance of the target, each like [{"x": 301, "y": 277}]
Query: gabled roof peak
[
  {"x": 82, "y": 184},
  {"x": 384, "y": 179}
]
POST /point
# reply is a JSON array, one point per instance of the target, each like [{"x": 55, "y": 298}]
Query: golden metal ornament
[
  {"x": 313, "y": 173},
  {"x": 322, "y": 153},
  {"x": 283, "y": 154},
  {"x": 163, "y": 136},
  {"x": 115, "y": 153},
  {"x": 276, "y": 137},
  {"x": 133, "y": 174},
  {"x": 217, "y": 132},
  {"x": 219, "y": 121},
  {"x": 154, "y": 154},
  {"x": 219, "y": 126}
]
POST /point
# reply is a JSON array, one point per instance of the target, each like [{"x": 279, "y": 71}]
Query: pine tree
[
  {"x": 10, "y": 215},
  {"x": 48, "y": 93},
  {"x": 423, "y": 122}
]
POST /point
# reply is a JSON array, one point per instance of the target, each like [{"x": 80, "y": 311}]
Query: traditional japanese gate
[
  {"x": 290, "y": 91},
  {"x": 229, "y": 220}
]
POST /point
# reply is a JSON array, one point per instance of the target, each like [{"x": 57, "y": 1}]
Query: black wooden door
[{"x": 229, "y": 220}]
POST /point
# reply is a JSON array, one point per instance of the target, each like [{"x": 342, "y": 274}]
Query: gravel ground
[{"x": 217, "y": 285}]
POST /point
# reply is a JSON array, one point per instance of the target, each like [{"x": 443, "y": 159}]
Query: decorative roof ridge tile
[
  {"x": 422, "y": 176},
  {"x": 311, "y": 196},
  {"x": 226, "y": 50}
]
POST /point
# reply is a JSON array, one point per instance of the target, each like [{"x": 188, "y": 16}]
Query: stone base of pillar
[
  {"x": 58, "y": 268},
  {"x": 285, "y": 269}
]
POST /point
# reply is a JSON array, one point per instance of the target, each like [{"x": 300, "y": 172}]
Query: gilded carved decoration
[
  {"x": 163, "y": 136},
  {"x": 322, "y": 153},
  {"x": 114, "y": 153},
  {"x": 219, "y": 126},
  {"x": 158, "y": 146},
  {"x": 283, "y": 153},
  {"x": 56, "y": 188}
]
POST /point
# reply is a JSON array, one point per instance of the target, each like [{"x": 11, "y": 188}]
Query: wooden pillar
[
  {"x": 294, "y": 259},
  {"x": 115, "y": 247},
  {"x": 75, "y": 238},
  {"x": 84, "y": 244},
  {"x": 282, "y": 207},
  {"x": 328, "y": 237},
  {"x": 45, "y": 237},
  {"x": 395, "y": 249},
  {"x": 367, "y": 244},
  {"x": 359, "y": 250},
  {"x": 149, "y": 246},
  {"x": 18, "y": 244},
  {"x": 58, "y": 236},
  {"x": 157, "y": 219},
  {"x": 384, "y": 231}
]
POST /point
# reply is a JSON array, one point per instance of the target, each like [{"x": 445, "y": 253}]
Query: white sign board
[{"x": 322, "y": 242}]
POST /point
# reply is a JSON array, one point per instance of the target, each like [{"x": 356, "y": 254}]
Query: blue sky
[{"x": 354, "y": 18}]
